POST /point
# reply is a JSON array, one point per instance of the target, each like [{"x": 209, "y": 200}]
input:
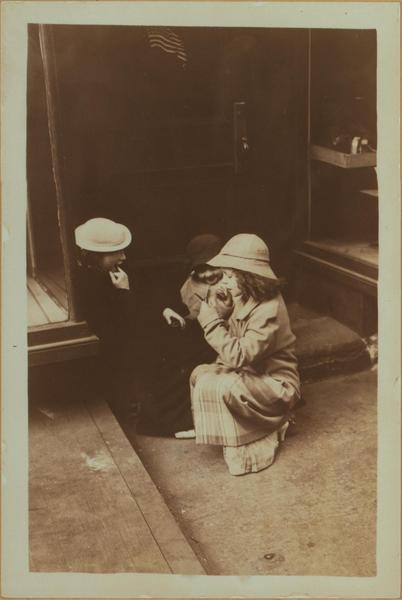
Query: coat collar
[{"x": 243, "y": 309}]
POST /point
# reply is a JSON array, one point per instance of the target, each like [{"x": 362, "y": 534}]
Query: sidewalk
[
  {"x": 312, "y": 513},
  {"x": 92, "y": 506}
]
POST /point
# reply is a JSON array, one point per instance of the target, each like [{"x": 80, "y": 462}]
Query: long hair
[{"x": 257, "y": 287}]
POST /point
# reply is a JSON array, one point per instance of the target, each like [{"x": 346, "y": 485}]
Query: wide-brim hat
[
  {"x": 246, "y": 252},
  {"x": 102, "y": 235}
]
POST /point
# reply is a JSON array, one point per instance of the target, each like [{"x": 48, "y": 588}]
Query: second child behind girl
[{"x": 181, "y": 347}]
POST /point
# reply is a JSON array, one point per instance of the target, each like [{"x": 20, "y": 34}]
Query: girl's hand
[
  {"x": 173, "y": 319},
  {"x": 120, "y": 279},
  {"x": 221, "y": 300}
]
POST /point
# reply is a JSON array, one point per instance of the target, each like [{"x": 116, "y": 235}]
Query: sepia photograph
[{"x": 208, "y": 291}]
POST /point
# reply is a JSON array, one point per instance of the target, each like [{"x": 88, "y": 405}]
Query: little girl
[{"x": 243, "y": 401}]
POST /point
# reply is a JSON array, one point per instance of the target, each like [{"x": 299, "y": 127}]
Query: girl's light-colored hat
[
  {"x": 102, "y": 235},
  {"x": 246, "y": 252}
]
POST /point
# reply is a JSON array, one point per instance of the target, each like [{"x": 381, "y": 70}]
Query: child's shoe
[
  {"x": 255, "y": 456},
  {"x": 185, "y": 435}
]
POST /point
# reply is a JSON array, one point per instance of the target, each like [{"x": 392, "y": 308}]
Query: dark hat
[{"x": 202, "y": 248}]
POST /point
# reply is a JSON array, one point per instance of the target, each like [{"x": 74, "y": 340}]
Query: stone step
[{"x": 325, "y": 346}]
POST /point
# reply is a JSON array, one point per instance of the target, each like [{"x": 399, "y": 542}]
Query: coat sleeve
[
  {"x": 237, "y": 352},
  {"x": 108, "y": 311},
  {"x": 111, "y": 322},
  {"x": 191, "y": 294}
]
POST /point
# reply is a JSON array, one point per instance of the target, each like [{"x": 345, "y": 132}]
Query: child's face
[
  {"x": 207, "y": 274},
  {"x": 229, "y": 282},
  {"x": 109, "y": 261}
]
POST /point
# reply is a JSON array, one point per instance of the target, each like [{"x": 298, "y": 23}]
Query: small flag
[{"x": 168, "y": 41}]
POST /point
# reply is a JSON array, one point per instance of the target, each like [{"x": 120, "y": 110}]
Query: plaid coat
[{"x": 251, "y": 388}]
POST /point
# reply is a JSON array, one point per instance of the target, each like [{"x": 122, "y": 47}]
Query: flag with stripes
[{"x": 168, "y": 41}]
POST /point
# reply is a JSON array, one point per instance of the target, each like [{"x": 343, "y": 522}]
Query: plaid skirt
[{"x": 232, "y": 408}]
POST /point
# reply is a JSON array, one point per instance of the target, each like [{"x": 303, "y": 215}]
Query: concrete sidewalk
[
  {"x": 93, "y": 507},
  {"x": 312, "y": 513}
]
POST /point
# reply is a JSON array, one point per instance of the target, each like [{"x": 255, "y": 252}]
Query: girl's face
[
  {"x": 229, "y": 282},
  {"x": 109, "y": 261}
]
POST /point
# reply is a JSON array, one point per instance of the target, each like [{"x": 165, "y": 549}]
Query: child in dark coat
[
  {"x": 111, "y": 310},
  {"x": 168, "y": 410}
]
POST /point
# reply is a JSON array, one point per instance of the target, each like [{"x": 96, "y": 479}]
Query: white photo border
[{"x": 17, "y": 580}]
